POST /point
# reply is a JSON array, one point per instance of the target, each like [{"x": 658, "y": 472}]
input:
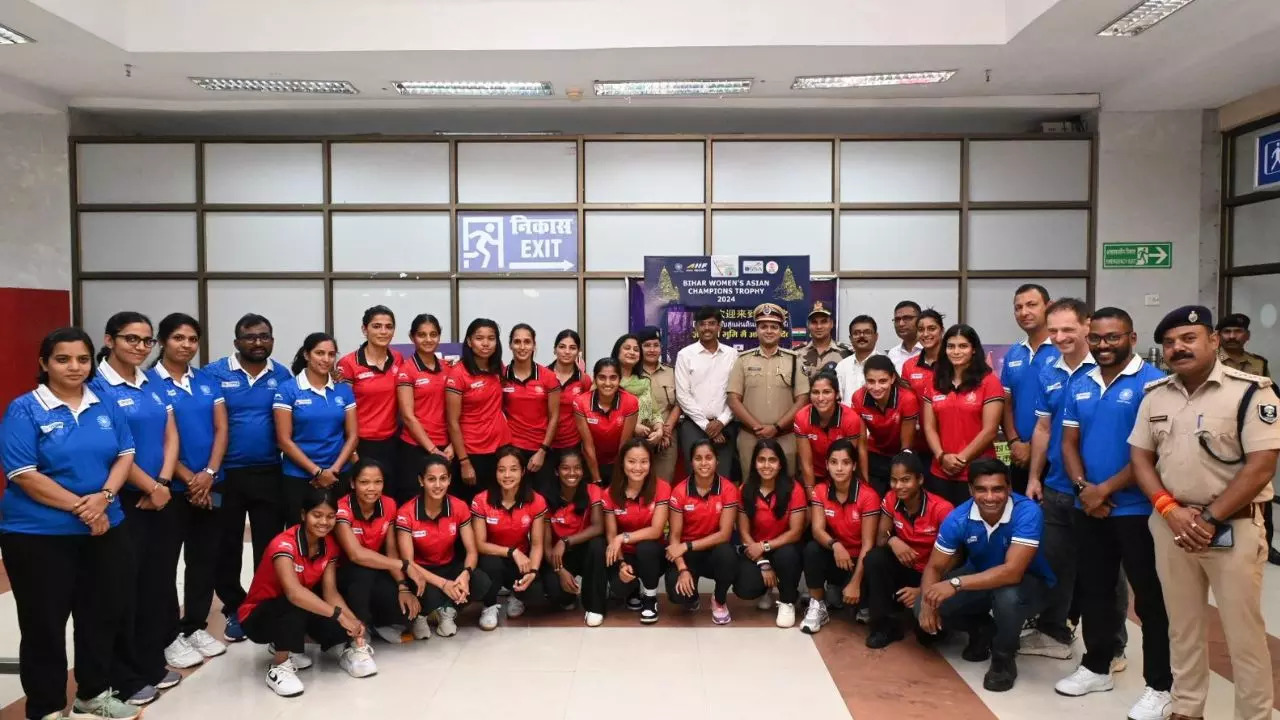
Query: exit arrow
[
  {"x": 1158, "y": 254},
  {"x": 560, "y": 265}
]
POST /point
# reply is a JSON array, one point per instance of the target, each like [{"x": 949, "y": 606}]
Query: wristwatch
[
  {"x": 109, "y": 495},
  {"x": 1079, "y": 484},
  {"x": 766, "y": 546},
  {"x": 955, "y": 583},
  {"x": 626, "y": 538},
  {"x": 1209, "y": 518}
]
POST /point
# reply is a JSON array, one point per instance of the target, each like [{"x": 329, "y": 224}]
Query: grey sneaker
[
  {"x": 105, "y": 705},
  {"x": 145, "y": 696},
  {"x": 170, "y": 679}
]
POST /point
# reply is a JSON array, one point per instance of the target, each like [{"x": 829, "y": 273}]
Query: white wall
[{"x": 35, "y": 235}]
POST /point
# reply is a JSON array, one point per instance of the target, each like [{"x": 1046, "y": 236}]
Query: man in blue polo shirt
[
  {"x": 248, "y": 380},
  {"x": 1022, "y": 365},
  {"x": 1111, "y": 519},
  {"x": 1005, "y": 579}
]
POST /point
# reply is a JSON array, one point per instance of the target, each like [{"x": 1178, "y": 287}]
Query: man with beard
[
  {"x": 252, "y": 481},
  {"x": 1204, "y": 451},
  {"x": 1111, "y": 516},
  {"x": 1020, "y": 375},
  {"x": 702, "y": 378},
  {"x": 864, "y": 335},
  {"x": 822, "y": 352}
]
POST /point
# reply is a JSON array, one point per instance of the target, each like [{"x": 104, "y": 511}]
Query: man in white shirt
[
  {"x": 905, "y": 315},
  {"x": 702, "y": 378},
  {"x": 863, "y": 336}
]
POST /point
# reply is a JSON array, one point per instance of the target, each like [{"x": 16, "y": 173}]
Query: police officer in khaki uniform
[
  {"x": 766, "y": 388},
  {"x": 822, "y": 351},
  {"x": 662, "y": 391},
  {"x": 1204, "y": 450}
]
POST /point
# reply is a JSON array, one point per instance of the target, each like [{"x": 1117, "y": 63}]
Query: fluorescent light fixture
[
  {"x": 9, "y": 36},
  {"x": 631, "y": 88},
  {"x": 837, "y": 82},
  {"x": 472, "y": 88},
  {"x": 268, "y": 85},
  {"x": 1141, "y": 18}
]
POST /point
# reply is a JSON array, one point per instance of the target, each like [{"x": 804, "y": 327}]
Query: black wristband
[
  {"x": 467, "y": 570},
  {"x": 337, "y": 612},
  {"x": 688, "y": 546},
  {"x": 511, "y": 552},
  {"x": 1209, "y": 518},
  {"x": 404, "y": 567},
  {"x": 545, "y": 447}
]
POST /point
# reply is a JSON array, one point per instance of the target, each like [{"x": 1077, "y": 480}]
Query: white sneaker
[
  {"x": 765, "y": 602},
  {"x": 1082, "y": 682},
  {"x": 489, "y": 617},
  {"x": 301, "y": 661},
  {"x": 393, "y": 634},
  {"x": 206, "y": 644},
  {"x": 1038, "y": 643},
  {"x": 594, "y": 619},
  {"x": 421, "y": 628},
  {"x": 357, "y": 660},
  {"x": 283, "y": 679},
  {"x": 447, "y": 625},
  {"x": 786, "y": 615},
  {"x": 515, "y": 607},
  {"x": 1153, "y": 705},
  {"x": 181, "y": 655},
  {"x": 815, "y": 617},
  {"x": 863, "y": 616}
]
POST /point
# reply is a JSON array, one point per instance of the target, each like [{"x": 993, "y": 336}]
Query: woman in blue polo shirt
[
  {"x": 201, "y": 414},
  {"x": 144, "y": 644},
  {"x": 66, "y": 453},
  {"x": 316, "y": 426}
]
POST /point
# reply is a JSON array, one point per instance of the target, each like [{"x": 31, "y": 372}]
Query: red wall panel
[{"x": 26, "y": 316}]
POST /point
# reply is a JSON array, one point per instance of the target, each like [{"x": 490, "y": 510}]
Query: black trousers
[
  {"x": 787, "y": 566},
  {"x": 433, "y": 598},
  {"x": 1105, "y": 545},
  {"x": 606, "y": 474},
  {"x": 287, "y": 626},
  {"x": 55, "y": 577},
  {"x": 585, "y": 560},
  {"x": 501, "y": 572},
  {"x": 719, "y": 563},
  {"x": 883, "y": 577},
  {"x": 953, "y": 491},
  {"x": 1018, "y": 477},
  {"x": 647, "y": 564},
  {"x": 293, "y": 490},
  {"x": 411, "y": 460},
  {"x": 252, "y": 492},
  {"x": 372, "y": 595},
  {"x": 194, "y": 532},
  {"x": 544, "y": 478},
  {"x": 878, "y": 470},
  {"x": 820, "y": 568},
  {"x": 688, "y": 432},
  {"x": 387, "y": 453},
  {"x": 141, "y": 636},
  {"x": 486, "y": 467}
]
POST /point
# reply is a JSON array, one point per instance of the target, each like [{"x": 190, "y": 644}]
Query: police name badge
[{"x": 1267, "y": 414}]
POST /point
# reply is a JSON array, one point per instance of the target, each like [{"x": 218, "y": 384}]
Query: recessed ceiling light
[
  {"x": 1141, "y": 18},
  {"x": 630, "y": 88},
  {"x": 314, "y": 87},
  {"x": 472, "y": 89},
  {"x": 9, "y": 36},
  {"x": 836, "y": 82}
]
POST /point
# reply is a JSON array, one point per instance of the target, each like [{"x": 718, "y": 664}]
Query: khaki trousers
[
  {"x": 665, "y": 462},
  {"x": 1235, "y": 576},
  {"x": 747, "y": 445}
]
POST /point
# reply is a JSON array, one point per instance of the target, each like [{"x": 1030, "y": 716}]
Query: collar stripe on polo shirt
[
  {"x": 526, "y": 405},
  {"x": 374, "y": 388},
  {"x": 844, "y": 519},
  {"x": 484, "y": 425},
  {"x": 918, "y": 531},
  {"x": 434, "y": 539},
  {"x": 701, "y": 513}
]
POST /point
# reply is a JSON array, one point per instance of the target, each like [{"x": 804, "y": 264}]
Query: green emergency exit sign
[{"x": 1137, "y": 256}]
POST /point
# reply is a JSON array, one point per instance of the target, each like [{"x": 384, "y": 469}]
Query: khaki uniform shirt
[
  {"x": 812, "y": 361},
  {"x": 1250, "y": 363},
  {"x": 1170, "y": 423},
  {"x": 662, "y": 388},
  {"x": 768, "y": 385}
]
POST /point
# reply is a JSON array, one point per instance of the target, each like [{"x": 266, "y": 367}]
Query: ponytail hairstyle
[
  {"x": 782, "y": 487},
  {"x": 421, "y": 320},
  {"x": 309, "y": 344},
  {"x": 374, "y": 312},
  {"x": 171, "y": 324},
  {"x": 524, "y": 491},
  {"x": 63, "y": 335},
  {"x": 468, "y": 358},
  {"x": 845, "y": 445},
  {"x": 115, "y": 324},
  {"x": 581, "y": 500}
]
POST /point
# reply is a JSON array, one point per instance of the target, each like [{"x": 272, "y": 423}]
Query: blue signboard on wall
[
  {"x": 490, "y": 242},
  {"x": 1268, "y": 161}
]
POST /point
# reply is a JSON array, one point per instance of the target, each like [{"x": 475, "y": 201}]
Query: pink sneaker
[{"x": 719, "y": 613}]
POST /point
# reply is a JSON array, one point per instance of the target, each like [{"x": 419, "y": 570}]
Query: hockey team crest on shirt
[
  {"x": 339, "y": 401},
  {"x": 271, "y": 383},
  {"x": 971, "y": 397},
  {"x": 525, "y": 520},
  {"x": 1126, "y": 395},
  {"x": 205, "y": 390}
]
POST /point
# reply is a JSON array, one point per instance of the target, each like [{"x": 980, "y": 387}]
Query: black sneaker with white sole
[{"x": 649, "y": 609}]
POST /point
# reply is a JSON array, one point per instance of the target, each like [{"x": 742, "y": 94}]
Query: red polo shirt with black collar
[
  {"x": 508, "y": 527},
  {"x": 844, "y": 519},
  {"x": 434, "y": 538},
  {"x": 606, "y": 423},
  {"x": 428, "y": 398},
  {"x": 525, "y": 402},
  {"x": 375, "y": 391},
  {"x": 918, "y": 531},
  {"x": 370, "y": 531},
  {"x": 844, "y": 423},
  {"x": 308, "y": 563},
  {"x": 702, "y": 512},
  {"x": 884, "y": 426}
]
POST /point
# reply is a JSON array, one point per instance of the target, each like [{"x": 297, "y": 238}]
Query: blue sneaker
[{"x": 233, "y": 632}]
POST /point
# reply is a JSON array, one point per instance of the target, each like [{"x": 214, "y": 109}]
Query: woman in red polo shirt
[
  {"x": 635, "y": 522},
  {"x": 917, "y": 371},
  {"x": 509, "y": 535},
  {"x": 820, "y": 423},
  {"x": 473, "y": 407},
  {"x": 531, "y": 399},
  {"x": 428, "y": 529},
  {"x": 842, "y": 518},
  {"x": 961, "y": 413},
  {"x": 420, "y": 395},
  {"x": 890, "y": 411},
  {"x": 573, "y": 382},
  {"x": 294, "y": 595},
  {"x": 606, "y": 419},
  {"x": 575, "y": 541},
  {"x": 373, "y": 371},
  {"x": 770, "y": 524},
  {"x": 909, "y": 522},
  {"x": 703, "y": 510}
]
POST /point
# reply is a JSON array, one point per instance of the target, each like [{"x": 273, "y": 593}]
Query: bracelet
[
  {"x": 688, "y": 546},
  {"x": 778, "y": 428},
  {"x": 466, "y": 570},
  {"x": 404, "y": 567},
  {"x": 319, "y": 471},
  {"x": 464, "y": 460},
  {"x": 511, "y": 552},
  {"x": 545, "y": 447},
  {"x": 1164, "y": 503},
  {"x": 337, "y": 612}
]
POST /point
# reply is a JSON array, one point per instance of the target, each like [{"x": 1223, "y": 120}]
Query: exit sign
[{"x": 1137, "y": 256}]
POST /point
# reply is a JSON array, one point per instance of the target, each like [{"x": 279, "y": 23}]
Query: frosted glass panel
[
  {"x": 1258, "y": 296},
  {"x": 549, "y": 306},
  {"x": 137, "y": 242},
  {"x": 1029, "y": 170},
  {"x": 771, "y": 172},
  {"x": 899, "y": 240},
  {"x": 645, "y": 172},
  {"x": 774, "y": 233},
  {"x": 877, "y": 298},
  {"x": 150, "y": 173},
  {"x": 406, "y": 299},
  {"x": 1255, "y": 233},
  {"x": 1023, "y": 239},
  {"x": 264, "y": 242},
  {"x": 294, "y": 307},
  {"x": 990, "y": 305},
  {"x": 518, "y": 172},
  {"x": 1245, "y": 169},
  {"x": 619, "y": 240},
  {"x": 390, "y": 172},
  {"x": 606, "y": 317},
  {"x": 899, "y": 172},
  {"x": 387, "y": 242},
  {"x": 263, "y": 173},
  {"x": 100, "y": 299}
]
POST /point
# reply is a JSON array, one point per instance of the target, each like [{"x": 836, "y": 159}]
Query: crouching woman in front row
[
  {"x": 635, "y": 522},
  {"x": 509, "y": 533},
  {"x": 703, "y": 511},
  {"x": 575, "y": 543},
  {"x": 771, "y": 523}
]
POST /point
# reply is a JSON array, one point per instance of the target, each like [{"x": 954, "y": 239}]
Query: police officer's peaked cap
[
  {"x": 769, "y": 311},
  {"x": 1234, "y": 320},
  {"x": 820, "y": 308},
  {"x": 1183, "y": 316}
]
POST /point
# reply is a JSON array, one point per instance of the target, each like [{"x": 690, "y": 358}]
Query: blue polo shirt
[
  {"x": 146, "y": 408},
  {"x": 1050, "y": 403},
  {"x": 985, "y": 546},
  {"x": 251, "y": 428},
  {"x": 193, "y": 397},
  {"x": 1020, "y": 378},
  {"x": 1105, "y": 416},
  {"x": 74, "y": 449},
  {"x": 319, "y": 415}
]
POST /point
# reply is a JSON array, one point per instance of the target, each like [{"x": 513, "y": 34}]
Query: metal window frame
[{"x": 1228, "y": 270}]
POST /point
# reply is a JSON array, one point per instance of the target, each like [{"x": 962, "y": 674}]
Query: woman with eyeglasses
[
  {"x": 662, "y": 387},
  {"x": 144, "y": 644},
  {"x": 531, "y": 400},
  {"x": 421, "y": 395},
  {"x": 606, "y": 419},
  {"x": 635, "y": 525},
  {"x": 473, "y": 408},
  {"x": 510, "y": 534},
  {"x": 574, "y": 569},
  {"x": 372, "y": 371}
]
